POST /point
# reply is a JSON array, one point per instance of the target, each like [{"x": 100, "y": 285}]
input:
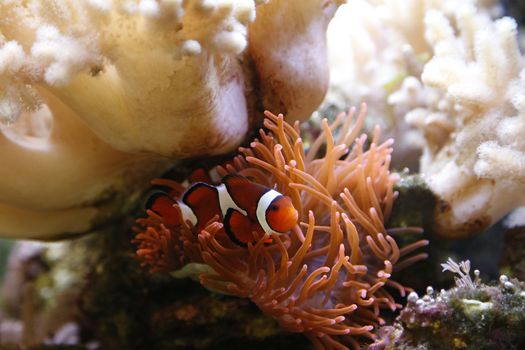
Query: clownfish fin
[
  {"x": 199, "y": 194},
  {"x": 235, "y": 179},
  {"x": 238, "y": 227},
  {"x": 163, "y": 205},
  {"x": 244, "y": 192},
  {"x": 200, "y": 175},
  {"x": 203, "y": 200}
]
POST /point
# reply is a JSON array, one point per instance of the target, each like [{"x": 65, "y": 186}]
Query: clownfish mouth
[{"x": 295, "y": 216}]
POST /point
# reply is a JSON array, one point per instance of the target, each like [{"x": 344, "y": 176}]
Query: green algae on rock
[
  {"x": 472, "y": 315},
  {"x": 415, "y": 203}
]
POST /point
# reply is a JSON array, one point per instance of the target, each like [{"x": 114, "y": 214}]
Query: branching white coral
[
  {"x": 455, "y": 74},
  {"x": 478, "y": 166},
  {"x": 377, "y": 49},
  {"x": 97, "y": 96}
]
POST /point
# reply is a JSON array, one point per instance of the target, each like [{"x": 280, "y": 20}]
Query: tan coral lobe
[
  {"x": 294, "y": 86},
  {"x": 326, "y": 278},
  {"x": 131, "y": 85}
]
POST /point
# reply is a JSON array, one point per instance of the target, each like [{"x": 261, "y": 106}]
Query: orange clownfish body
[{"x": 247, "y": 210}]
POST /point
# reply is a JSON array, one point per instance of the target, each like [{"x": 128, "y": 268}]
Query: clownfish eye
[{"x": 273, "y": 207}]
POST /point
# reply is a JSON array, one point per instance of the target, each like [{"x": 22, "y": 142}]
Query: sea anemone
[{"x": 327, "y": 277}]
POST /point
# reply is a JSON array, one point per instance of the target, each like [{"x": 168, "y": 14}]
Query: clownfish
[{"x": 244, "y": 207}]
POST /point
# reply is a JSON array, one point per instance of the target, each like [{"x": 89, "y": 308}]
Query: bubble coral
[{"x": 326, "y": 278}]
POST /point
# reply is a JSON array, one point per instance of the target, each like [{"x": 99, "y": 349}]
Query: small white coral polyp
[{"x": 327, "y": 277}]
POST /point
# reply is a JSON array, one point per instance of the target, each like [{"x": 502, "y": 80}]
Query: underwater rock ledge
[
  {"x": 472, "y": 315},
  {"x": 95, "y": 283}
]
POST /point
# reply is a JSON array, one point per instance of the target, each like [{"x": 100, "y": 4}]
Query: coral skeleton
[
  {"x": 97, "y": 97},
  {"x": 327, "y": 278}
]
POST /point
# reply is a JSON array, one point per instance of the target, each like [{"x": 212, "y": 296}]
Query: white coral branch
[
  {"x": 454, "y": 73},
  {"x": 481, "y": 80}
]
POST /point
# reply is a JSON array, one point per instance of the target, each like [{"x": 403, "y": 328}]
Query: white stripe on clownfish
[
  {"x": 226, "y": 201},
  {"x": 262, "y": 206},
  {"x": 187, "y": 213}
]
